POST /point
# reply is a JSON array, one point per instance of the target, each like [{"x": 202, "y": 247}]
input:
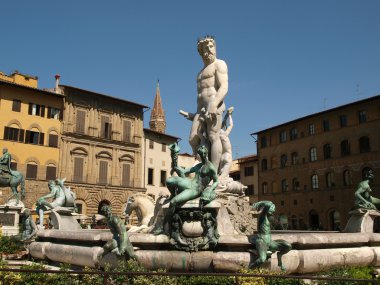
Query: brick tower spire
[{"x": 157, "y": 116}]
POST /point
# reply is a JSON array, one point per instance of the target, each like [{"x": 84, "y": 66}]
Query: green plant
[
  {"x": 354, "y": 272},
  {"x": 10, "y": 244}
]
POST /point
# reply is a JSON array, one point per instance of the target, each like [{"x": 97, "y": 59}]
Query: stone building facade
[
  {"x": 157, "y": 161},
  {"x": 310, "y": 167},
  {"x": 101, "y": 153},
  {"x": 30, "y": 127}
]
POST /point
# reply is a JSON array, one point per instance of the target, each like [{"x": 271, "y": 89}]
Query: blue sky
[{"x": 286, "y": 59}]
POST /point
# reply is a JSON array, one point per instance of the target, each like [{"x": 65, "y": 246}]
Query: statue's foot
[{"x": 283, "y": 268}]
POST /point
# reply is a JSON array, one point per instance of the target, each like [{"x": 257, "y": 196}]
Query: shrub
[
  {"x": 10, "y": 244},
  {"x": 354, "y": 272}
]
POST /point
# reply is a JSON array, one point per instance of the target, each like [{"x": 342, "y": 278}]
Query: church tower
[{"x": 157, "y": 116}]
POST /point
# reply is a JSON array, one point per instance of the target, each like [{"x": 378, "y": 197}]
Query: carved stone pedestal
[
  {"x": 361, "y": 221},
  {"x": 10, "y": 219},
  {"x": 62, "y": 219},
  {"x": 194, "y": 227}
]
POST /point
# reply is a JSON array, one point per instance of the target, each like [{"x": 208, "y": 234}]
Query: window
[
  {"x": 163, "y": 178},
  {"x": 33, "y": 137},
  {"x": 314, "y": 182},
  {"x": 332, "y": 198},
  {"x": 13, "y": 134},
  {"x": 150, "y": 176},
  {"x": 248, "y": 171},
  {"x": 326, "y": 125},
  {"x": 330, "y": 180},
  {"x": 311, "y": 129},
  {"x": 78, "y": 169},
  {"x": 284, "y": 158},
  {"x": 81, "y": 121},
  {"x": 264, "y": 164},
  {"x": 36, "y": 110},
  {"x": 126, "y": 175},
  {"x": 31, "y": 171},
  {"x": 347, "y": 178},
  {"x": 127, "y": 131},
  {"x": 343, "y": 121},
  {"x": 284, "y": 185},
  {"x": 53, "y": 140},
  {"x": 294, "y": 158},
  {"x": 264, "y": 188},
  {"x": 151, "y": 144},
  {"x": 106, "y": 128},
  {"x": 16, "y": 105},
  {"x": 51, "y": 173},
  {"x": 362, "y": 117},
  {"x": 163, "y": 147},
  {"x": 282, "y": 203},
  {"x": 295, "y": 202},
  {"x": 345, "y": 148},
  {"x": 53, "y": 113},
  {"x": 250, "y": 191},
  {"x": 263, "y": 142},
  {"x": 327, "y": 151},
  {"x": 293, "y": 133},
  {"x": 313, "y": 154},
  {"x": 295, "y": 184},
  {"x": 364, "y": 145},
  {"x": 103, "y": 172},
  {"x": 283, "y": 136}
]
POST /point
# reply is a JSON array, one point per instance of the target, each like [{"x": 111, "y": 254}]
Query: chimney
[{"x": 57, "y": 77}]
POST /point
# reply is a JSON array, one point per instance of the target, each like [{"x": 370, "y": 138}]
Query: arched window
[
  {"x": 31, "y": 170},
  {"x": 264, "y": 164},
  {"x": 101, "y": 205},
  {"x": 264, "y": 188},
  {"x": 294, "y": 158},
  {"x": 330, "y": 180},
  {"x": 364, "y": 145},
  {"x": 284, "y": 158},
  {"x": 295, "y": 184},
  {"x": 313, "y": 154},
  {"x": 314, "y": 182},
  {"x": 284, "y": 185},
  {"x": 347, "y": 178},
  {"x": 345, "y": 148},
  {"x": 327, "y": 151}
]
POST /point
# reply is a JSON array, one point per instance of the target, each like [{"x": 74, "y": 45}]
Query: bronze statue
[
  {"x": 10, "y": 178},
  {"x": 120, "y": 243},
  {"x": 28, "y": 226},
  {"x": 263, "y": 240},
  {"x": 62, "y": 197},
  {"x": 184, "y": 189},
  {"x": 363, "y": 198}
]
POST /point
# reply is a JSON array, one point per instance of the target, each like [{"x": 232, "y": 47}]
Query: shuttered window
[
  {"x": 78, "y": 169},
  {"x": 53, "y": 140},
  {"x": 127, "y": 130},
  {"x": 37, "y": 110},
  {"x": 105, "y": 127},
  {"x": 81, "y": 121},
  {"x": 31, "y": 171},
  {"x": 103, "y": 167},
  {"x": 126, "y": 175},
  {"x": 34, "y": 137},
  {"x": 13, "y": 134},
  {"x": 51, "y": 172},
  {"x": 16, "y": 105}
]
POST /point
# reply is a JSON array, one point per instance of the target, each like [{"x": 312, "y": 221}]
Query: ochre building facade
[
  {"x": 310, "y": 167},
  {"x": 30, "y": 127}
]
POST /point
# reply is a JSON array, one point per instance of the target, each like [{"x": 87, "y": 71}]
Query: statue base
[
  {"x": 361, "y": 221},
  {"x": 10, "y": 219},
  {"x": 193, "y": 226},
  {"x": 61, "y": 218}
]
